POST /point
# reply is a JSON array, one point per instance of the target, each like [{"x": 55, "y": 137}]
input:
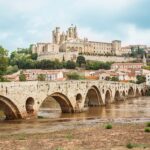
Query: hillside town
[
  {"x": 74, "y": 75},
  {"x": 123, "y": 64}
]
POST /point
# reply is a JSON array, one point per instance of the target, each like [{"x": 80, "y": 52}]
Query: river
[{"x": 131, "y": 110}]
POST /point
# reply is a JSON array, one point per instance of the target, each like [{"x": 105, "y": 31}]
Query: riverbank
[{"x": 92, "y": 136}]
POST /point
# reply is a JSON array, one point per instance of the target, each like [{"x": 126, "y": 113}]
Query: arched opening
[
  {"x": 117, "y": 96},
  {"x": 8, "y": 110},
  {"x": 137, "y": 92},
  {"x": 29, "y": 105},
  {"x": 54, "y": 105},
  {"x": 93, "y": 97},
  {"x": 142, "y": 93},
  {"x": 107, "y": 97},
  {"x": 124, "y": 94},
  {"x": 131, "y": 92},
  {"x": 79, "y": 98}
]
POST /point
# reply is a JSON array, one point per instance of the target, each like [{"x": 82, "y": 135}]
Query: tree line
[{"x": 25, "y": 59}]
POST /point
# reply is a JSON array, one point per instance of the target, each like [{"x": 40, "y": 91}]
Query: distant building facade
[
  {"x": 49, "y": 75},
  {"x": 148, "y": 79},
  {"x": 69, "y": 41},
  {"x": 127, "y": 66}
]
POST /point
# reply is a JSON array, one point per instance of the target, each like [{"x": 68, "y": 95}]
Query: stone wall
[
  {"x": 109, "y": 58},
  {"x": 25, "y": 98}
]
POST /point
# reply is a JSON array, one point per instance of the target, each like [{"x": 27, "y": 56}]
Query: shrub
[
  {"x": 147, "y": 129},
  {"x": 129, "y": 146},
  {"x": 108, "y": 126},
  {"x": 148, "y": 124}
]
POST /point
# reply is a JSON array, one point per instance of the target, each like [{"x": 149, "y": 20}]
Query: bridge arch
[
  {"x": 137, "y": 92},
  {"x": 93, "y": 97},
  {"x": 123, "y": 93},
  {"x": 9, "y": 108},
  {"x": 30, "y": 105},
  {"x": 63, "y": 101},
  {"x": 78, "y": 98},
  {"x": 142, "y": 92},
  {"x": 131, "y": 92},
  {"x": 108, "y": 97},
  {"x": 117, "y": 96}
]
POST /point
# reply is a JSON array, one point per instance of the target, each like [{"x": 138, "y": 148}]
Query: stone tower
[
  {"x": 56, "y": 35},
  {"x": 116, "y": 47},
  {"x": 144, "y": 60}
]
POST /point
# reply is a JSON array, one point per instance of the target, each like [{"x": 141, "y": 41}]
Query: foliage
[
  {"x": 81, "y": 60},
  {"x": 140, "y": 79},
  {"x": 146, "y": 67},
  {"x": 147, "y": 129},
  {"x": 148, "y": 124},
  {"x": 147, "y": 92},
  {"x": 108, "y": 126},
  {"x": 12, "y": 69},
  {"x": 2, "y": 79},
  {"x": 136, "y": 52},
  {"x": 73, "y": 76},
  {"x": 3, "y": 61},
  {"x": 70, "y": 65},
  {"x": 22, "y": 77},
  {"x": 69, "y": 136},
  {"x": 130, "y": 146},
  {"x": 96, "y": 65},
  {"x": 41, "y": 77},
  {"x": 114, "y": 79}
]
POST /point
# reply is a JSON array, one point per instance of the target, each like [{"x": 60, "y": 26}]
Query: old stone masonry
[{"x": 20, "y": 100}]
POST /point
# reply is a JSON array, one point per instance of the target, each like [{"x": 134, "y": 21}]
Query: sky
[{"x": 25, "y": 22}]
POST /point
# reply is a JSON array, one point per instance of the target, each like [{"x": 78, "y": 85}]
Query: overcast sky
[{"x": 23, "y": 22}]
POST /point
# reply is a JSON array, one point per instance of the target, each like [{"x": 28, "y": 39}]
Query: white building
[{"x": 148, "y": 79}]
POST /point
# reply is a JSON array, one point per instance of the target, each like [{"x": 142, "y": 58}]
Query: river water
[{"x": 131, "y": 110}]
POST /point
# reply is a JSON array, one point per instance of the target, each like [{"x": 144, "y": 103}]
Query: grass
[
  {"x": 21, "y": 136},
  {"x": 108, "y": 126},
  {"x": 69, "y": 136},
  {"x": 147, "y": 129},
  {"x": 40, "y": 117},
  {"x": 59, "y": 148},
  {"x": 131, "y": 145}
]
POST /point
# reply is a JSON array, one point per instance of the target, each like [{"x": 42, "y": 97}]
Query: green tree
[
  {"x": 73, "y": 76},
  {"x": 12, "y": 69},
  {"x": 81, "y": 61},
  {"x": 140, "y": 79},
  {"x": 3, "y": 62},
  {"x": 95, "y": 65},
  {"x": 41, "y": 77},
  {"x": 70, "y": 65},
  {"x": 114, "y": 79},
  {"x": 22, "y": 77}
]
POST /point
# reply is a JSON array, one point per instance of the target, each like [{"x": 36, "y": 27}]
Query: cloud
[{"x": 24, "y": 22}]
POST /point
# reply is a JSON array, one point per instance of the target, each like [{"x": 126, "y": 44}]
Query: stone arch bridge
[{"x": 19, "y": 100}]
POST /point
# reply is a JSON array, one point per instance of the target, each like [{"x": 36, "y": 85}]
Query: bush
[
  {"x": 148, "y": 124},
  {"x": 129, "y": 146},
  {"x": 73, "y": 76},
  {"x": 147, "y": 129},
  {"x": 108, "y": 126}
]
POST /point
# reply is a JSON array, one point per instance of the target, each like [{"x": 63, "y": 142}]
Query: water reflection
[{"x": 136, "y": 108}]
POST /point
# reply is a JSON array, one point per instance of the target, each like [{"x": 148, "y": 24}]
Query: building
[
  {"x": 127, "y": 66},
  {"x": 49, "y": 75},
  {"x": 45, "y": 48},
  {"x": 70, "y": 42},
  {"x": 148, "y": 79}
]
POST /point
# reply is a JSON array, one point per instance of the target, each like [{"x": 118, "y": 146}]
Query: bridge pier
[{"x": 22, "y": 100}]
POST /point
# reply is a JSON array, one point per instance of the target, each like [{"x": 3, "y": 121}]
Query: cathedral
[{"x": 69, "y": 42}]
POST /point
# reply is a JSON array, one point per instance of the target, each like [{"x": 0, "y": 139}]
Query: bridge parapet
[{"x": 24, "y": 99}]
